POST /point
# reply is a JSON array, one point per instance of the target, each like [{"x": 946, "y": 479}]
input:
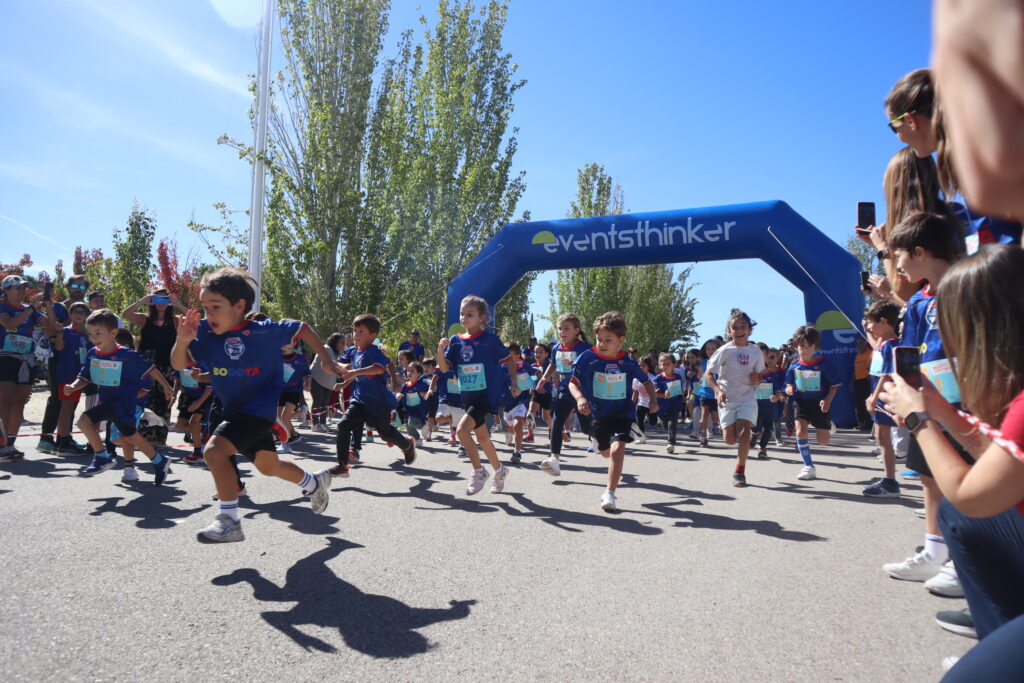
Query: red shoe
[{"x": 529, "y": 437}]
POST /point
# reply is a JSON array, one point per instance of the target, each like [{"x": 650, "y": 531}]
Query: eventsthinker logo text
[{"x": 643, "y": 235}]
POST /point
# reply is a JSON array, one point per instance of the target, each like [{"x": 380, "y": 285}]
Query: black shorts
[
  {"x": 479, "y": 412},
  {"x": 248, "y": 433},
  {"x": 811, "y": 411},
  {"x": 709, "y": 404},
  {"x": 543, "y": 399},
  {"x": 15, "y": 369},
  {"x": 296, "y": 398},
  {"x": 121, "y": 414},
  {"x": 431, "y": 404},
  {"x": 604, "y": 432},
  {"x": 185, "y": 414},
  {"x": 916, "y": 460}
]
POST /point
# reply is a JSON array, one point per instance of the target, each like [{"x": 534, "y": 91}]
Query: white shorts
[
  {"x": 518, "y": 411},
  {"x": 730, "y": 412},
  {"x": 445, "y": 410}
]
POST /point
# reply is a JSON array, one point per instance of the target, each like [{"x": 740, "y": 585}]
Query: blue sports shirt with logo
[{"x": 607, "y": 382}]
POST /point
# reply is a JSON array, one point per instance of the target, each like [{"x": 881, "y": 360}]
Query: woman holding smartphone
[{"x": 158, "y": 332}]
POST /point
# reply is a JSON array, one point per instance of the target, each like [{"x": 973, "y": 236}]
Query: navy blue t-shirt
[
  {"x": 245, "y": 364},
  {"x": 295, "y": 369},
  {"x": 477, "y": 359},
  {"x": 564, "y": 357},
  {"x": 448, "y": 387},
  {"x": 119, "y": 375},
  {"x": 373, "y": 393},
  {"x": 811, "y": 381},
  {"x": 20, "y": 341},
  {"x": 72, "y": 357},
  {"x": 192, "y": 388},
  {"x": 546, "y": 387},
  {"x": 526, "y": 375},
  {"x": 882, "y": 363},
  {"x": 412, "y": 395},
  {"x": 672, "y": 387},
  {"x": 921, "y": 329},
  {"x": 417, "y": 349},
  {"x": 608, "y": 383}
]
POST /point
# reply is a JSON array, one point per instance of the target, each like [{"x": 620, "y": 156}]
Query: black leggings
[
  {"x": 321, "y": 397},
  {"x": 564, "y": 405},
  {"x": 354, "y": 419},
  {"x": 765, "y": 422},
  {"x": 641, "y": 418},
  {"x": 670, "y": 420}
]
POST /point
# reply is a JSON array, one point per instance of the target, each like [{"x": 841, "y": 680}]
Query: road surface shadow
[
  {"x": 818, "y": 494},
  {"x": 703, "y": 520},
  {"x": 152, "y": 507},
  {"x": 295, "y": 512},
  {"x": 566, "y": 520},
  {"x": 46, "y": 469},
  {"x": 631, "y": 481},
  {"x": 375, "y": 625}
]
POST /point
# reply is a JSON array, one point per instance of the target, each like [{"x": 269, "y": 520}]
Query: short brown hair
[
  {"x": 807, "y": 334},
  {"x": 613, "y": 321},
  {"x": 234, "y": 284},
  {"x": 79, "y": 306},
  {"x": 940, "y": 236},
  {"x": 368, "y": 321},
  {"x": 884, "y": 309},
  {"x": 104, "y": 317},
  {"x": 668, "y": 356}
]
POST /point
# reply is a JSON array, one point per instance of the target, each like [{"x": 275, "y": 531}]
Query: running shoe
[
  {"x": 910, "y": 474},
  {"x": 917, "y": 567},
  {"x": 294, "y": 437},
  {"x": 704, "y": 443},
  {"x": 339, "y": 471},
  {"x": 957, "y": 621},
  {"x": 670, "y": 449},
  {"x": 551, "y": 466},
  {"x": 739, "y": 479},
  {"x": 476, "y": 483},
  {"x": 921, "y": 512},
  {"x": 322, "y": 495},
  {"x": 100, "y": 463},
  {"x": 608, "y": 502},
  {"x": 193, "y": 458},
  {"x": 46, "y": 445},
  {"x": 762, "y": 454},
  {"x": 69, "y": 447},
  {"x": 807, "y": 473},
  {"x": 354, "y": 456},
  {"x": 284, "y": 447},
  {"x": 516, "y": 457},
  {"x": 222, "y": 530},
  {"x": 242, "y": 493},
  {"x": 498, "y": 485},
  {"x": 945, "y": 583},
  {"x": 883, "y": 488},
  {"x": 161, "y": 470},
  {"x": 129, "y": 474},
  {"x": 410, "y": 453}
]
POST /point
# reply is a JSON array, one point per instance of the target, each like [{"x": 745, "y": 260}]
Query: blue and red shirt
[
  {"x": 564, "y": 357},
  {"x": 417, "y": 349},
  {"x": 71, "y": 358},
  {"x": 526, "y": 377},
  {"x": 921, "y": 329},
  {"x": 672, "y": 387},
  {"x": 607, "y": 382},
  {"x": 372, "y": 392},
  {"x": 772, "y": 382},
  {"x": 412, "y": 396},
  {"x": 477, "y": 359},
  {"x": 448, "y": 387},
  {"x": 294, "y": 369},
  {"x": 245, "y": 364},
  {"x": 811, "y": 381},
  {"x": 20, "y": 341},
  {"x": 118, "y": 375}
]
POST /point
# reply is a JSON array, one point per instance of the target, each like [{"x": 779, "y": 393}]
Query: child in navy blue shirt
[
  {"x": 514, "y": 407},
  {"x": 563, "y": 355},
  {"x": 413, "y": 394},
  {"x": 477, "y": 356},
  {"x": 880, "y": 322},
  {"x": 72, "y": 345},
  {"x": 540, "y": 397},
  {"x": 602, "y": 379},
  {"x": 669, "y": 387},
  {"x": 769, "y": 393},
  {"x": 813, "y": 386},
  {"x": 195, "y": 408},
  {"x": 431, "y": 401},
  {"x": 244, "y": 360},
  {"x": 365, "y": 366},
  {"x": 119, "y": 373},
  {"x": 296, "y": 381},
  {"x": 449, "y": 408}
]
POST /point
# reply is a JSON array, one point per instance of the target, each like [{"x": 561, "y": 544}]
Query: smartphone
[
  {"x": 907, "y": 361},
  {"x": 48, "y": 291},
  {"x": 160, "y": 299},
  {"x": 865, "y": 216},
  {"x": 864, "y": 283}
]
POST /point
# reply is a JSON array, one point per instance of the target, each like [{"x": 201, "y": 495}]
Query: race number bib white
[
  {"x": 674, "y": 388},
  {"x": 472, "y": 377},
  {"x": 453, "y": 385},
  {"x": 526, "y": 381},
  {"x": 564, "y": 361},
  {"x": 876, "y": 364},
  {"x": 764, "y": 391},
  {"x": 288, "y": 372},
  {"x": 15, "y": 343},
  {"x": 808, "y": 380},
  {"x": 940, "y": 373},
  {"x": 609, "y": 387},
  {"x": 412, "y": 400},
  {"x": 105, "y": 373}
]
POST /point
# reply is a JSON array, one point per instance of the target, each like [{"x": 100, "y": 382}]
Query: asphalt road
[{"x": 406, "y": 578}]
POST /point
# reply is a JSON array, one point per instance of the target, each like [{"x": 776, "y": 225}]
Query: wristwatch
[
  {"x": 915, "y": 420},
  {"x": 882, "y": 254}
]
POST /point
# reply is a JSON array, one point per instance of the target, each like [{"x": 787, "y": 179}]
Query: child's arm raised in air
[
  {"x": 188, "y": 328},
  {"x": 442, "y": 362}
]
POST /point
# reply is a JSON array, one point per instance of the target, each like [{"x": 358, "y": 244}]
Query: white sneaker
[
  {"x": 948, "y": 663},
  {"x": 643, "y": 440},
  {"x": 670, "y": 449},
  {"x": 476, "y": 483},
  {"x": 498, "y": 485},
  {"x": 508, "y": 438},
  {"x": 608, "y": 502},
  {"x": 551, "y": 466},
  {"x": 917, "y": 567},
  {"x": 419, "y": 443},
  {"x": 945, "y": 582},
  {"x": 129, "y": 474},
  {"x": 807, "y": 473},
  {"x": 284, "y": 447}
]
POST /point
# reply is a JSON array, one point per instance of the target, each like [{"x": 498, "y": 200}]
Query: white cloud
[
  {"x": 154, "y": 35},
  {"x": 49, "y": 176},
  {"x": 35, "y": 232}
]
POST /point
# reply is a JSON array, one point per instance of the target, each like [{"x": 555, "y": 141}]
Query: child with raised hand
[
  {"x": 669, "y": 387},
  {"x": 514, "y": 407},
  {"x": 769, "y": 396},
  {"x": 477, "y": 355},
  {"x": 880, "y": 322},
  {"x": 642, "y": 400},
  {"x": 120, "y": 374},
  {"x": 708, "y": 402},
  {"x": 563, "y": 355},
  {"x": 601, "y": 377},
  {"x": 734, "y": 373},
  {"x": 295, "y": 369},
  {"x": 813, "y": 386},
  {"x": 366, "y": 367},
  {"x": 244, "y": 359},
  {"x": 413, "y": 395}
]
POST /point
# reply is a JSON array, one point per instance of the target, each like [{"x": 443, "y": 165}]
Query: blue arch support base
[{"x": 687, "y": 235}]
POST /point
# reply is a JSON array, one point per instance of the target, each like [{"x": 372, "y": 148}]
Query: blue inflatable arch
[{"x": 687, "y": 235}]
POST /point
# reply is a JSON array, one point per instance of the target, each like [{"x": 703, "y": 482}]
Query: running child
[
  {"x": 366, "y": 367},
  {"x": 642, "y": 400},
  {"x": 563, "y": 354},
  {"x": 432, "y": 401},
  {"x": 244, "y": 359},
  {"x": 669, "y": 386},
  {"x": 733, "y": 373},
  {"x": 297, "y": 377},
  {"x": 196, "y": 408},
  {"x": 601, "y": 377},
  {"x": 514, "y": 407},
  {"x": 770, "y": 394},
  {"x": 449, "y": 408},
  {"x": 413, "y": 395},
  {"x": 881, "y": 321},
  {"x": 812, "y": 386},
  {"x": 540, "y": 397},
  {"x": 708, "y": 403},
  {"x": 119, "y": 372},
  {"x": 477, "y": 355},
  {"x": 72, "y": 345}
]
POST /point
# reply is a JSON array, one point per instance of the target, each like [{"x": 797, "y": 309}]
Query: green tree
[
  {"x": 132, "y": 265},
  {"x": 865, "y": 253}
]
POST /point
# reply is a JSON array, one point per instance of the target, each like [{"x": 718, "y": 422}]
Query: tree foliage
[
  {"x": 129, "y": 272},
  {"x": 180, "y": 279}
]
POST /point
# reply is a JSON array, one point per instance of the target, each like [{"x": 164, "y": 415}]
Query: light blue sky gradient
[{"x": 686, "y": 104}]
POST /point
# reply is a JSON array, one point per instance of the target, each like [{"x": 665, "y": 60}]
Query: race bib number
[
  {"x": 972, "y": 243},
  {"x": 188, "y": 381},
  {"x": 674, "y": 388},
  {"x": 940, "y": 373},
  {"x": 564, "y": 361},
  {"x": 412, "y": 400},
  {"x": 876, "y": 364},
  {"x": 609, "y": 387},
  {"x": 808, "y": 380},
  {"x": 105, "y": 373},
  {"x": 15, "y": 343},
  {"x": 764, "y": 391},
  {"x": 472, "y": 377},
  {"x": 288, "y": 372},
  {"x": 82, "y": 353},
  {"x": 453, "y": 385},
  {"x": 526, "y": 381}
]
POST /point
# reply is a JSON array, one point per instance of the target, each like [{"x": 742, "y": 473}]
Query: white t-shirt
[
  {"x": 642, "y": 399},
  {"x": 733, "y": 365}
]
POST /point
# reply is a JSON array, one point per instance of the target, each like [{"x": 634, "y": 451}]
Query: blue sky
[{"x": 686, "y": 104}]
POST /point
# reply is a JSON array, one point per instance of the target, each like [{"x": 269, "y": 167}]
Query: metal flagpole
[{"x": 259, "y": 171}]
